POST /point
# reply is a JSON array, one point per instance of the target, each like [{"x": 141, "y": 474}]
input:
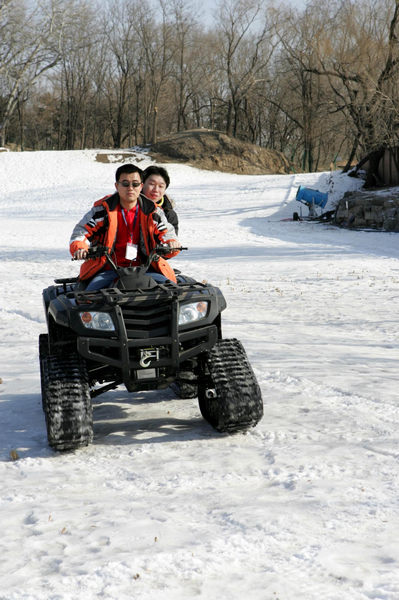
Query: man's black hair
[
  {"x": 129, "y": 168},
  {"x": 154, "y": 170}
]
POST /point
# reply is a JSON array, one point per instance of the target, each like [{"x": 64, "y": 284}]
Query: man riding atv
[
  {"x": 130, "y": 225},
  {"x": 126, "y": 321}
]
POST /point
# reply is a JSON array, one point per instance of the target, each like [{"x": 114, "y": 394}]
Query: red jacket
[{"x": 100, "y": 226}]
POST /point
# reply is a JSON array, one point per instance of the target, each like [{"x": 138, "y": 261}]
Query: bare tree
[
  {"x": 298, "y": 93},
  {"x": 314, "y": 83},
  {"x": 183, "y": 23},
  {"x": 204, "y": 89},
  {"x": 30, "y": 45},
  {"x": 120, "y": 34},
  {"x": 355, "y": 48},
  {"x": 78, "y": 67},
  {"x": 155, "y": 34},
  {"x": 246, "y": 47}
]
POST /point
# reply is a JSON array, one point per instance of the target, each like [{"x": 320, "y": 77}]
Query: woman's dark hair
[
  {"x": 129, "y": 168},
  {"x": 154, "y": 170}
]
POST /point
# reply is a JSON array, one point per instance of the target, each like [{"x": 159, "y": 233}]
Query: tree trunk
[{"x": 155, "y": 125}]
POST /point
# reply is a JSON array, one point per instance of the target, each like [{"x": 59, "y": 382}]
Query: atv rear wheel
[
  {"x": 43, "y": 353},
  {"x": 67, "y": 402},
  {"x": 229, "y": 395}
]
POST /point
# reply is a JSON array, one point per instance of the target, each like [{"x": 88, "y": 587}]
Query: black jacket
[{"x": 170, "y": 213}]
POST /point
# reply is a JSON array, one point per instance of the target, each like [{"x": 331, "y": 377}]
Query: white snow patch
[{"x": 304, "y": 506}]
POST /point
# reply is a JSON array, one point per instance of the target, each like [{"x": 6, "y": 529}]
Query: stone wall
[{"x": 374, "y": 210}]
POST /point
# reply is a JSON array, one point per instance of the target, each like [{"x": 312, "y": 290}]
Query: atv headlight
[
  {"x": 101, "y": 321},
  {"x": 194, "y": 311}
]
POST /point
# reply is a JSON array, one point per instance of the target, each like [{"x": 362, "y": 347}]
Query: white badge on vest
[{"x": 131, "y": 251}]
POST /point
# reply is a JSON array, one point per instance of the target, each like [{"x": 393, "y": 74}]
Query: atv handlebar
[{"x": 99, "y": 250}]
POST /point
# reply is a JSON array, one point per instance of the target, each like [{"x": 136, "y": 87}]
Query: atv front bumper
[{"x": 148, "y": 363}]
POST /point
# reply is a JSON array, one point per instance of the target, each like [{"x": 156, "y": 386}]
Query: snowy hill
[{"x": 304, "y": 506}]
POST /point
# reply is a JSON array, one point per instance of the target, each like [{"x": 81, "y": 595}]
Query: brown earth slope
[{"x": 216, "y": 151}]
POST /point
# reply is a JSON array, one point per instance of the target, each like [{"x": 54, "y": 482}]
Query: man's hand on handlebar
[
  {"x": 80, "y": 254},
  {"x": 99, "y": 250},
  {"x": 165, "y": 249}
]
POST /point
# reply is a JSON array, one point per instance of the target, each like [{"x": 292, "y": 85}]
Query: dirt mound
[{"x": 216, "y": 151}]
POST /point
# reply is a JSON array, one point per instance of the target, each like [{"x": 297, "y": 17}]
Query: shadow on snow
[{"x": 117, "y": 419}]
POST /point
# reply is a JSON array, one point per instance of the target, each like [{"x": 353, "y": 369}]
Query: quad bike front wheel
[
  {"x": 229, "y": 395},
  {"x": 66, "y": 401}
]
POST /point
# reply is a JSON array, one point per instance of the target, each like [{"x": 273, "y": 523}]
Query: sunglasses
[{"x": 129, "y": 183}]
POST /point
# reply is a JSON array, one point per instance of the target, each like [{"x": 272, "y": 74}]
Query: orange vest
[{"x": 107, "y": 238}]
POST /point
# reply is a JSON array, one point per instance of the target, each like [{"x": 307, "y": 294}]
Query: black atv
[{"x": 147, "y": 336}]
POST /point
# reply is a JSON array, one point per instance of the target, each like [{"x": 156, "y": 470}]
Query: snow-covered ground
[{"x": 303, "y": 507}]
